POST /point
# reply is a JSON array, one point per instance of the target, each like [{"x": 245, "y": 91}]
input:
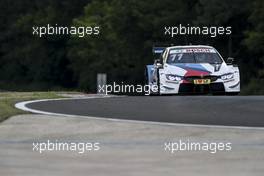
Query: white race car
[{"x": 192, "y": 69}]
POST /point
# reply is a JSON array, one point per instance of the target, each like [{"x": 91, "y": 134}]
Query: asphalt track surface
[{"x": 206, "y": 110}]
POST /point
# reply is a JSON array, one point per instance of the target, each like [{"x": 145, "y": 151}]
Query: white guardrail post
[{"x": 101, "y": 83}]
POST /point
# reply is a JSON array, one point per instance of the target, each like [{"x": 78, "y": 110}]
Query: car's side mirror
[
  {"x": 230, "y": 61},
  {"x": 158, "y": 63}
]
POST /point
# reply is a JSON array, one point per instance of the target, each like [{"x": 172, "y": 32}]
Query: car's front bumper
[
  {"x": 208, "y": 88},
  {"x": 217, "y": 86}
]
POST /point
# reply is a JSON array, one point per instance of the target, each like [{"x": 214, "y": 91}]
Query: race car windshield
[{"x": 194, "y": 57}]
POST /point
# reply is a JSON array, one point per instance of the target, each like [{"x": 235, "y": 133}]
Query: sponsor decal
[
  {"x": 192, "y": 50},
  {"x": 202, "y": 81}
]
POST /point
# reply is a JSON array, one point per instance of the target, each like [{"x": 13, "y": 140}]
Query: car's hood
[{"x": 195, "y": 69}]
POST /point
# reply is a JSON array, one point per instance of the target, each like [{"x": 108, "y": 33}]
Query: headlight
[
  {"x": 227, "y": 76},
  {"x": 171, "y": 77}
]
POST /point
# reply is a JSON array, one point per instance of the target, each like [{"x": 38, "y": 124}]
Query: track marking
[{"x": 22, "y": 106}]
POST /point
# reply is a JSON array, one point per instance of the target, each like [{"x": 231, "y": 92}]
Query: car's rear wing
[{"x": 158, "y": 49}]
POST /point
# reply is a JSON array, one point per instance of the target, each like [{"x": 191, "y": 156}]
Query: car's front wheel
[{"x": 232, "y": 93}]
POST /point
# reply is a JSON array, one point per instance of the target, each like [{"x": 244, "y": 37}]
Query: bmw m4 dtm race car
[{"x": 192, "y": 69}]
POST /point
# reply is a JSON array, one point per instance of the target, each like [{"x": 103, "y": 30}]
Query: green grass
[{"x": 8, "y": 100}]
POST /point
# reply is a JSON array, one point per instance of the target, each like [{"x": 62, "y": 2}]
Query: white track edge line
[{"x": 22, "y": 106}]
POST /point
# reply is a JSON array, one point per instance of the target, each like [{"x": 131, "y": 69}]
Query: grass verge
[{"x": 9, "y": 99}]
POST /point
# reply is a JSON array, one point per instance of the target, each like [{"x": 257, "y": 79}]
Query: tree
[
  {"x": 254, "y": 42},
  {"x": 128, "y": 31},
  {"x": 30, "y": 61}
]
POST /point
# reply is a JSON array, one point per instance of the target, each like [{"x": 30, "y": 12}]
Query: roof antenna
[{"x": 190, "y": 43}]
